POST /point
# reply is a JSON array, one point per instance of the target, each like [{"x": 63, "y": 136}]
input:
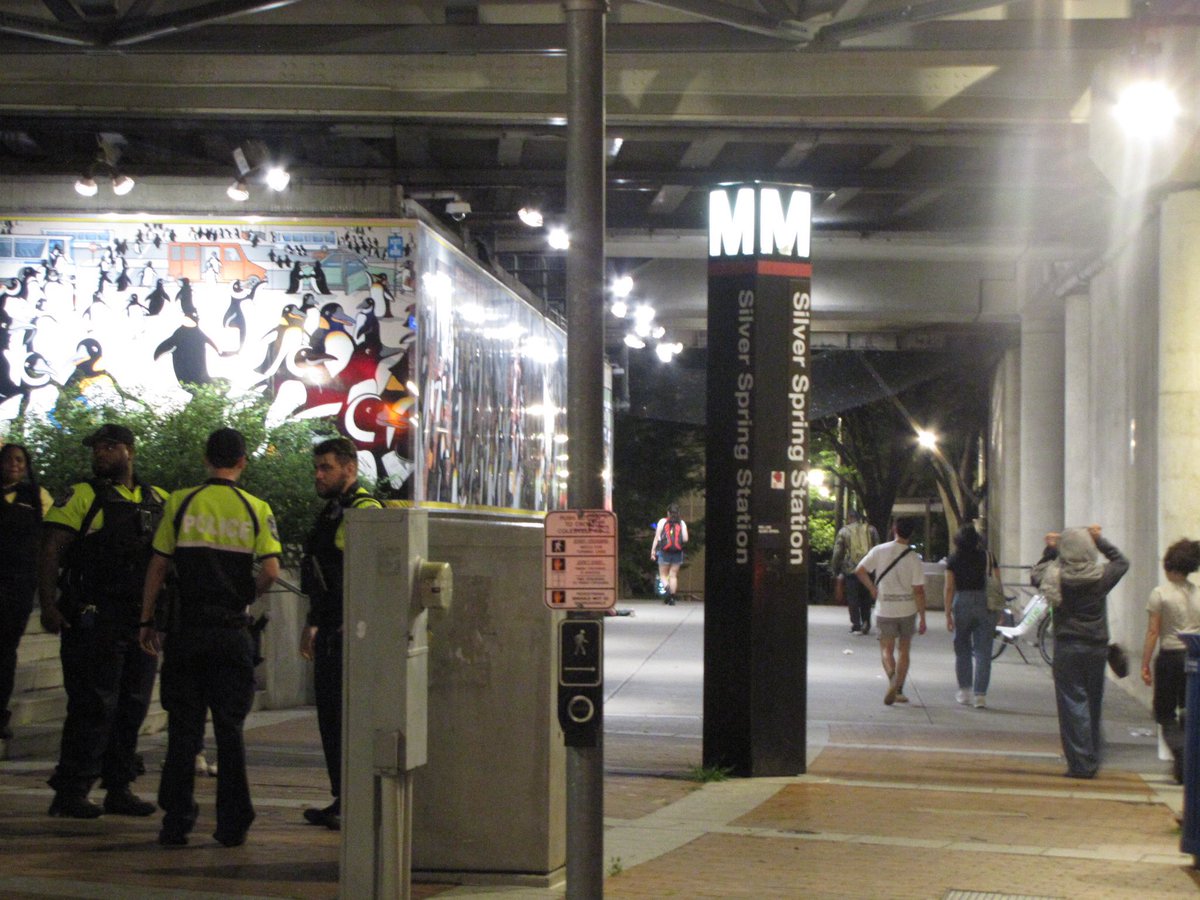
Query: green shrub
[{"x": 170, "y": 447}]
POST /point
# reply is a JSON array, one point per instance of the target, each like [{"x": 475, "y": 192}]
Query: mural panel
[{"x": 322, "y": 317}]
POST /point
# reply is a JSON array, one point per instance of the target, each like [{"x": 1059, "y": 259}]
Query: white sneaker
[
  {"x": 963, "y": 697},
  {"x": 980, "y": 702}
]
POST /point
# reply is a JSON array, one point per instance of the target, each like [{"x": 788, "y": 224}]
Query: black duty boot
[{"x": 74, "y": 806}]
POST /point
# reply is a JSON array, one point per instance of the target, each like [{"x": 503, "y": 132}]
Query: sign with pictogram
[{"x": 581, "y": 559}]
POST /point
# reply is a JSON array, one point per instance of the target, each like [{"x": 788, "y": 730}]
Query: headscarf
[{"x": 1078, "y": 563}]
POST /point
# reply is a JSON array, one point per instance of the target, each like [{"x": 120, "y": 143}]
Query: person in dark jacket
[
  {"x": 335, "y": 465},
  {"x": 21, "y": 512},
  {"x": 1076, "y": 583}
]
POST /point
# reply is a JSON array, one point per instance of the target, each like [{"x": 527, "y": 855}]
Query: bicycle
[{"x": 1036, "y": 627}]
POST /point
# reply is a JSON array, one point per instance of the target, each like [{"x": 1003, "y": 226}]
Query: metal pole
[{"x": 585, "y": 392}]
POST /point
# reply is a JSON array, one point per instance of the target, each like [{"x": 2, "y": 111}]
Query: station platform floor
[{"x": 928, "y": 799}]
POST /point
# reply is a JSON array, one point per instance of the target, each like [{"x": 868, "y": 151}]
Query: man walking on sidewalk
[
  {"x": 854, "y": 540},
  {"x": 899, "y": 589}
]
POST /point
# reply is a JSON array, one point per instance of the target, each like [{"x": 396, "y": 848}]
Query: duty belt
[{"x": 208, "y": 615}]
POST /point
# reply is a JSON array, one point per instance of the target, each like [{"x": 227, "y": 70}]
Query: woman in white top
[{"x": 1173, "y": 606}]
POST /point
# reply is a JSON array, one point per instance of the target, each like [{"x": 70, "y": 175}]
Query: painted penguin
[
  {"x": 156, "y": 299},
  {"x": 188, "y": 354}
]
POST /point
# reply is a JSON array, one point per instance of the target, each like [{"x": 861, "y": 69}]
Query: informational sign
[
  {"x": 756, "y": 502},
  {"x": 395, "y": 246},
  {"x": 581, "y": 559}
]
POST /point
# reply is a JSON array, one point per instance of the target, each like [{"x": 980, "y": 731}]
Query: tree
[{"x": 655, "y": 464}]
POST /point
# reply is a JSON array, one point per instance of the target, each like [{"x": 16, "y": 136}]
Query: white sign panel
[{"x": 581, "y": 559}]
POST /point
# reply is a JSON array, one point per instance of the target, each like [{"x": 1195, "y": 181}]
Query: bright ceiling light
[
  {"x": 634, "y": 342},
  {"x": 86, "y": 186},
  {"x": 643, "y": 313},
  {"x": 277, "y": 178},
  {"x": 926, "y": 439},
  {"x": 657, "y": 332},
  {"x": 1147, "y": 109},
  {"x": 531, "y": 216},
  {"x": 664, "y": 352},
  {"x": 558, "y": 239},
  {"x": 238, "y": 191},
  {"x": 122, "y": 185},
  {"x": 620, "y": 309},
  {"x": 622, "y": 286}
]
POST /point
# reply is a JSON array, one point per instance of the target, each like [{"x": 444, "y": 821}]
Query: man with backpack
[{"x": 854, "y": 540}]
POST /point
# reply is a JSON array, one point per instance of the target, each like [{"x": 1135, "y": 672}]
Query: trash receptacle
[{"x": 1189, "y": 841}]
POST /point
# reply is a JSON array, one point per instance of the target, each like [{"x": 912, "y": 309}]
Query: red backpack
[{"x": 672, "y": 536}]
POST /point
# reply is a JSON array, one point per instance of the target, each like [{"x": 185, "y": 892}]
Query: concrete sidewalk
[{"x": 925, "y": 799}]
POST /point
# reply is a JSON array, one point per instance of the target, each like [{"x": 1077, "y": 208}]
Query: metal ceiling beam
[
  {"x": 738, "y": 17},
  {"x": 149, "y": 28},
  {"x": 904, "y": 15},
  {"x": 27, "y": 35},
  {"x": 62, "y": 10}
]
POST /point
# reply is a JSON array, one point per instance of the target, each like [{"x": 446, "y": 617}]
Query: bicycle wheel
[
  {"x": 999, "y": 645},
  {"x": 1045, "y": 639}
]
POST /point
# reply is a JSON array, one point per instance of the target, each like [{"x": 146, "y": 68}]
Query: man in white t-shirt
[{"x": 899, "y": 592}]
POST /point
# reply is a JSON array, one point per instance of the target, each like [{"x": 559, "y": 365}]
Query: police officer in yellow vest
[
  {"x": 335, "y": 466},
  {"x": 97, "y": 535},
  {"x": 213, "y": 534}
]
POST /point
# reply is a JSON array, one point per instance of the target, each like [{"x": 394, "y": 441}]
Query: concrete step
[
  {"x": 36, "y": 646},
  {"x": 38, "y": 675},
  {"x": 43, "y": 740}
]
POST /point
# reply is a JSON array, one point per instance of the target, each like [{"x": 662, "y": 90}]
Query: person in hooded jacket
[{"x": 1076, "y": 583}]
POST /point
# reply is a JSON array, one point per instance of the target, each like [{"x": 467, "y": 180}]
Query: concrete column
[
  {"x": 1077, "y": 414},
  {"x": 1179, "y": 368},
  {"x": 1042, "y": 409},
  {"x": 1005, "y": 466}
]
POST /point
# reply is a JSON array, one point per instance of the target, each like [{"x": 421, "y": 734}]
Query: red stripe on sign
[{"x": 760, "y": 267}]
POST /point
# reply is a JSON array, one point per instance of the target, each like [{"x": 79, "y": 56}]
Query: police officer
[
  {"x": 335, "y": 464},
  {"x": 213, "y": 533},
  {"x": 98, "y": 536}
]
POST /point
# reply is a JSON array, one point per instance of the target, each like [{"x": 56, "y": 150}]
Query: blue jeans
[
  {"x": 974, "y": 629},
  {"x": 1079, "y": 690}
]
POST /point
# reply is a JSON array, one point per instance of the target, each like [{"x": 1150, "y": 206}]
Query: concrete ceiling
[{"x": 945, "y": 123}]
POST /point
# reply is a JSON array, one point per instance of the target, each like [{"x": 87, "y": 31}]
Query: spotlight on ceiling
[
  {"x": 122, "y": 185},
  {"x": 558, "y": 239},
  {"x": 278, "y": 178},
  {"x": 530, "y": 216},
  {"x": 1147, "y": 109},
  {"x": 238, "y": 191},
  {"x": 108, "y": 151}
]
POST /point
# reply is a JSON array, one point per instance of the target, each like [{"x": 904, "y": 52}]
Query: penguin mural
[
  {"x": 294, "y": 280},
  {"x": 134, "y": 303},
  {"x": 318, "y": 277},
  {"x": 188, "y": 355},
  {"x": 157, "y": 299},
  {"x": 366, "y": 329},
  {"x": 234, "y": 317},
  {"x": 185, "y": 297},
  {"x": 123, "y": 276},
  {"x": 35, "y": 377},
  {"x": 333, "y": 319},
  {"x": 290, "y": 329},
  {"x": 90, "y": 377}
]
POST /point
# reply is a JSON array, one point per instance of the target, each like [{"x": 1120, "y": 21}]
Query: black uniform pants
[
  {"x": 108, "y": 680},
  {"x": 208, "y": 668},
  {"x": 16, "y": 603},
  {"x": 858, "y": 601},
  {"x": 327, "y": 687}
]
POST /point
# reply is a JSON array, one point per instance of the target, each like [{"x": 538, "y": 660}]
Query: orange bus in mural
[{"x": 216, "y": 261}]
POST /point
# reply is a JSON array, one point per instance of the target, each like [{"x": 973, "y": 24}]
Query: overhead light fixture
[
  {"x": 622, "y": 286},
  {"x": 108, "y": 151},
  {"x": 122, "y": 185},
  {"x": 1147, "y": 108},
  {"x": 531, "y": 216},
  {"x": 634, "y": 342},
  {"x": 620, "y": 309},
  {"x": 558, "y": 239},
  {"x": 278, "y": 178},
  {"x": 254, "y": 163},
  {"x": 238, "y": 191}
]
